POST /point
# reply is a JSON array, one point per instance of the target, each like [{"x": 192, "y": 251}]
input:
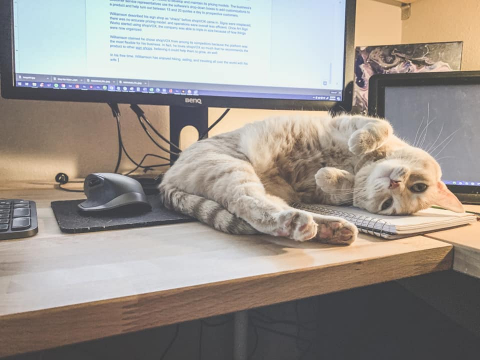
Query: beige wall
[
  {"x": 39, "y": 139},
  {"x": 446, "y": 20},
  {"x": 377, "y": 24}
]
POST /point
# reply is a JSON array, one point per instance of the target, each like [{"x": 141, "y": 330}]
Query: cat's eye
[
  {"x": 419, "y": 187},
  {"x": 387, "y": 203}
]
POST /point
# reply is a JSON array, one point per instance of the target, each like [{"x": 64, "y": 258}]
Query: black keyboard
[{"x": 18, "y": 219}]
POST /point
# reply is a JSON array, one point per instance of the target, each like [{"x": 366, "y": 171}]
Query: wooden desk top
[
  {"x": 466, "y": 241},
  {"x": 58, "y": 289}
]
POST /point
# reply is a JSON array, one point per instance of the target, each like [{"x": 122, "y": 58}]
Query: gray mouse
[{"x": 106, "y": 191}]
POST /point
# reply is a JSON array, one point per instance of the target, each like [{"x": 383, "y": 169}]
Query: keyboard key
[
  {"x": 18, "y": 219},
  {"x": 16, "y": 206},
  {"x": 21, "y": 223},
  {"x": 21, "y": 213}
]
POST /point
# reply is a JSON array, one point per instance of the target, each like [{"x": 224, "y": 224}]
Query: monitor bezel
[
  {"x": 380, "y": 82},
  {"x": 9, "y": 91}
]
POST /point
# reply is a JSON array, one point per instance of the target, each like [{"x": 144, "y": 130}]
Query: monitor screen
[
  {"x": 442, "y": 120},
  {"x": 268, "y": 49}
]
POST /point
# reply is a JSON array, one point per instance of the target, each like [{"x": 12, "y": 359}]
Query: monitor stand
[{"x": 182, "y": 116}]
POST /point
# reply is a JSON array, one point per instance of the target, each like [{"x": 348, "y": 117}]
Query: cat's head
[{"x": 405, "y": 181}]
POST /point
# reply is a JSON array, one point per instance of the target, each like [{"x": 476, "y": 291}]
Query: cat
[{"x": 245, "y": 181}]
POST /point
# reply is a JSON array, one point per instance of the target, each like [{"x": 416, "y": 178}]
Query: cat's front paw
[
  {"x": 296, "y": 225},
  {"x": 369, "y": 138},
  {"x": 336, "y": 232},
  {"x": 330, "y": 179},
  {"x": 327, "y": 178}
]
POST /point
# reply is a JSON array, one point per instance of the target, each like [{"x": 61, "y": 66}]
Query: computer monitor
[
  {"x": 439, "y": 113},
  {"x": 272, "y": 54}
]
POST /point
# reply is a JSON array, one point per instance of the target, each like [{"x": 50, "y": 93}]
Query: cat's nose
[{"x": 394, "y": 184}]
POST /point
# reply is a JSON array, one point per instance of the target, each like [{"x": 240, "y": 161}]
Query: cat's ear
[{"x": 446, "y": 199}]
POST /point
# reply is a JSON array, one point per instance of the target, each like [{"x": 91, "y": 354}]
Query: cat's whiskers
[
  {"x": 347, "y": 191},
  {"x": 418, "y": 129},
  {"x": 445, "y": 157},
  {"x": 438, "y": 137},
  {"x": 449, "y": 138},
  {"x": 426, "y": 132}
]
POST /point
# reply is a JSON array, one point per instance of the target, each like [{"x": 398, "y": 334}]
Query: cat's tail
[{"x": 206, "y": 211}]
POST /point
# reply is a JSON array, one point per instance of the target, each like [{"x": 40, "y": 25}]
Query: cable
[
  {"x": 206, "y": 323},
  {"x": 221, "y": 323},
  {"x": 149, "y": 168},
  {"x": 116, "y": 115},
  {"x": 138, "y": 165},
  {"x": 218, "y": 324},
  {"x": 62, "y": 179},
  {"x": 141, "y": 116},
  {"x": 303, "y": 349},
  {"x": 140, "y": 113},
  {"x": 167, "y": 349},
  {"x": 273, "y": 321},
  {"x": 214, "y": 124},
  {"x": 160, "y": 135},
  {"x": 282, "y": 333},
  {"x": 296, "y": 338},
  {"x": 153, "y": 140},
  {"x": 69, "y": 190}
]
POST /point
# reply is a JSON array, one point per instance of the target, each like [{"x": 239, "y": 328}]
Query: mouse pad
[{"x": 72, "y": 220}]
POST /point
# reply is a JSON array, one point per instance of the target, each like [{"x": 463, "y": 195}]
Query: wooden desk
[
  {"x": 58, "y": 289},
  {"x": 466, "y": 241}
]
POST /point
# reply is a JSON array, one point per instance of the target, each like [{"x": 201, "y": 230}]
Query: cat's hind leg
[
  {"x": 225, "y": 185},
  {"x": 269, "y": 214},
  {"x": 228, "y": 195},
  {"x": 247, "y": 199}
]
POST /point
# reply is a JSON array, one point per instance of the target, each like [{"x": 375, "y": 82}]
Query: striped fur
[{"x": 206, "y": 211}]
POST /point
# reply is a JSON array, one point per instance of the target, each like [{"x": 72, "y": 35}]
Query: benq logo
[{"x": 193, "y": 101}]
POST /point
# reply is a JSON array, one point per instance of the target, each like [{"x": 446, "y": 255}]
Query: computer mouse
[{"x": 106, "y": 191}]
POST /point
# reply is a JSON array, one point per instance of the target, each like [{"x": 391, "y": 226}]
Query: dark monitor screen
[
  {"x": 439, "y": 113},
  {"x": 156, "y": 49},
  {"x": 443, "y": 120}
]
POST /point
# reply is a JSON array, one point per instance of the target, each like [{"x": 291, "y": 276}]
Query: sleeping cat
[{"x": 244, "y": 181}]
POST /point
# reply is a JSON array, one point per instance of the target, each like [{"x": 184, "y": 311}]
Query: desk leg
[{"x": 240, "y": 333}]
